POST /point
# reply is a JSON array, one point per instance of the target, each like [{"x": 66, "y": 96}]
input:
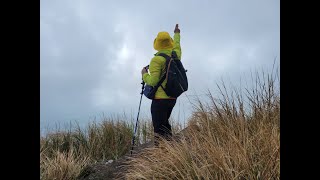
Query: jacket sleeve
[
  {"x": 177, "y": 47},
  {"x": 153, "y": 78}
]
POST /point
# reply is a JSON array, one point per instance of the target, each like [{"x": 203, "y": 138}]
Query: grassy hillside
[{"x": 235, "y": 135}]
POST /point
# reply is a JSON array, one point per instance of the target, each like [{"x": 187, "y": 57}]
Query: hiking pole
[{"x": 135, "y": 129}]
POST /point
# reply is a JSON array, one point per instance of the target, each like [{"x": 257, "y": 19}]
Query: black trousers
[{"x": 161, "y": 110}]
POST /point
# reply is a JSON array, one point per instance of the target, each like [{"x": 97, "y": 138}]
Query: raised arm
[{"x": 176, "y": 39}]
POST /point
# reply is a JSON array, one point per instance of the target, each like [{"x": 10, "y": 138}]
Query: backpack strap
[{"x": 168, "y": 58}]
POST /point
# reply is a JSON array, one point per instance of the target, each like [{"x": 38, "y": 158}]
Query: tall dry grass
[
  {"x": 62, "y": 165},
  {"x": 64, "y": 153},
  {"x": 237, "y": 136}
]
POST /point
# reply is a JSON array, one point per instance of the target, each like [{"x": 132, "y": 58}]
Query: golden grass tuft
[{"x": 230, "y": 137}]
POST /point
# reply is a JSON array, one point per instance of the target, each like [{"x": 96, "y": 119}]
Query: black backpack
[{"x": 177, "y": 81}]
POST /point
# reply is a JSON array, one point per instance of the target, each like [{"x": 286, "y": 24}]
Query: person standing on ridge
[{"x": 162, "y": 105}]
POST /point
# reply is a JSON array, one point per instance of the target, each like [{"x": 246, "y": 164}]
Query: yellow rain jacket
[{"x": 163, "y": 44}]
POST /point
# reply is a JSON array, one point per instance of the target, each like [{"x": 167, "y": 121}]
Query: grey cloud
[{"x": 92, "y": 51}]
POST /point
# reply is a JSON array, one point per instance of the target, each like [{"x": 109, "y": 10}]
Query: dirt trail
[
  {"x": 111, "y": 170},
  {"x": 117, "y": 168}
]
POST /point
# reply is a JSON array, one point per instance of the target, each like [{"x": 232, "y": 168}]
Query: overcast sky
[{"x": 92, "y": 51}]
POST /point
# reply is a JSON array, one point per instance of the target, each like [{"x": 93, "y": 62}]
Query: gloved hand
[
  {"x": 176, "y": 29},
  {"x": 144, "y": 70}
]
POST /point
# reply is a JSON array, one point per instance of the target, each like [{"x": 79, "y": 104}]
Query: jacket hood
[{"x": 163, "y": 41}]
